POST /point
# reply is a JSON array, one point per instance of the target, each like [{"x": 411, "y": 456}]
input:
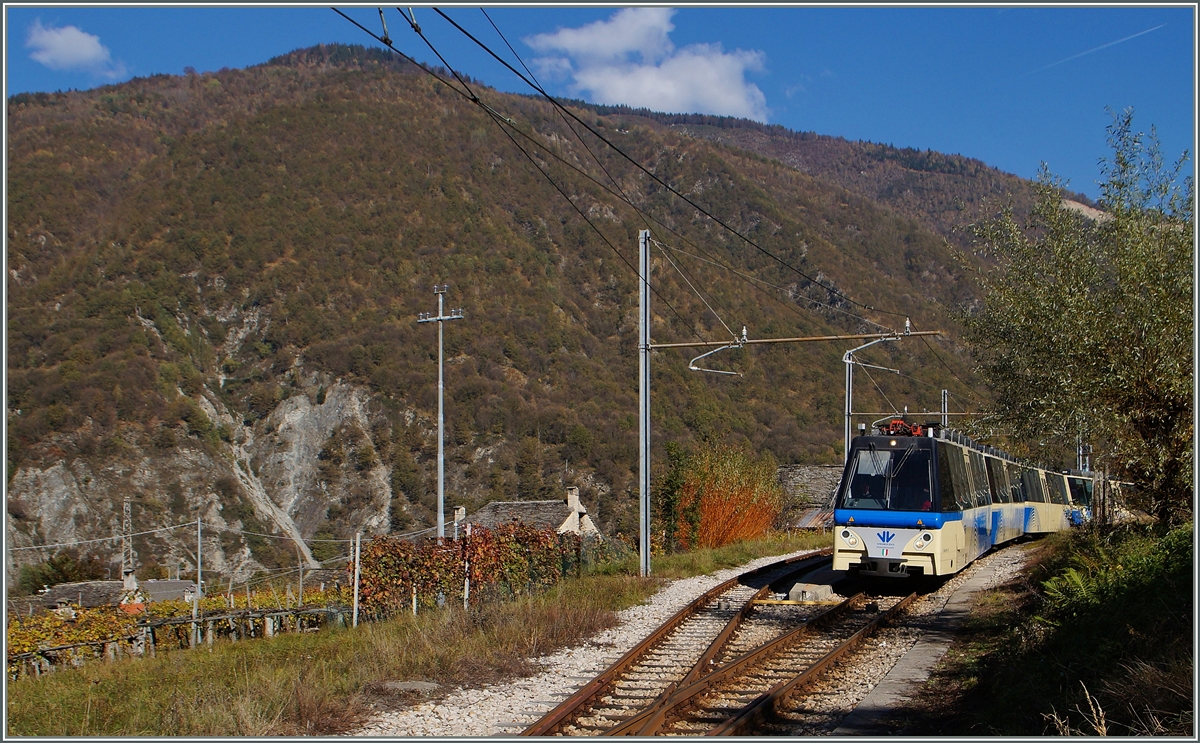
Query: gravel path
[{"x": 505, "y": 709}]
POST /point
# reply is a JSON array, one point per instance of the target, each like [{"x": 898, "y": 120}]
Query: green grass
[
  {"x": 321, "y": 683},
  {"x": 1097, "y": 639}
]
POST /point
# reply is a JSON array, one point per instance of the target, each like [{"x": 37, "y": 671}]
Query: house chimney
[
  {"x": 573, "y": 500},
  {"x": 130, "y": 580}
]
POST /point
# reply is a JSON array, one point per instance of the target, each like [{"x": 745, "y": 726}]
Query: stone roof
[
  {"x": 540, "y": 514},
  {"x": 167, "y": 590},
  {"x": 88, "y": 593},
  {"x": 815, "y": 485}
]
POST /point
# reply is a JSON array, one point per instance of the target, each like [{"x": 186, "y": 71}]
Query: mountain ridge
[{"x": 202, "y": 265}]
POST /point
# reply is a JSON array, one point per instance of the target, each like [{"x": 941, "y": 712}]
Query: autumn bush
[{"x": 726, "y": 495}]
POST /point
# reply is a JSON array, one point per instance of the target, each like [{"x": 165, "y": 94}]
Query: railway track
[
  {"x": 680, "y": 651},
  {"x": 751, "y": 694}
]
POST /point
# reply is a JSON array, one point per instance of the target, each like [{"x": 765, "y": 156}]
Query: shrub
[{"x": 727, "y": 496}]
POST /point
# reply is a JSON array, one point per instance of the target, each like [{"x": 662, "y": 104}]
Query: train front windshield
[{"x": 889, "y": 480}]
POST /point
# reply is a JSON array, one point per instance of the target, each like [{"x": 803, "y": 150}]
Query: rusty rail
[
  {"x": 756, "y": 710},
  {"x": 653, "y": 720},
  {"x": 582, "y": 699}
]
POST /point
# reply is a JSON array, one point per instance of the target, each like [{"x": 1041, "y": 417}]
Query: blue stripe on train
[{"x": 899, "y": 519}]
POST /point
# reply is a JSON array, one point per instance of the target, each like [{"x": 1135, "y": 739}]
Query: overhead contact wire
[
  {"x": 645, "y": 216},
  {"x": 619, "y": 192},
  {"x": 658, "y": 180},
  {"x": 496, "y": 116}
]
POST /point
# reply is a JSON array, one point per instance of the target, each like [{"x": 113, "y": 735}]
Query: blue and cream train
[{"x": 924, "y": 501}]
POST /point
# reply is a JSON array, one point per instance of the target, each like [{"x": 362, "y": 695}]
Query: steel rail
[
  {"x": 760, "y": 707},
  {"x": 632, "y": 725},
  {"x": 573, "y": 706},
  {"x": 651, "y": 722}
]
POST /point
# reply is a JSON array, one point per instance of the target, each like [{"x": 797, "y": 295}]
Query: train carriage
[{"x": 916, "y": 500}]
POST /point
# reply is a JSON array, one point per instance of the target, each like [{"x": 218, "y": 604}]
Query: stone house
[
  {"x": 93, "y": 593},
  {"x": 565, "y": 516}
]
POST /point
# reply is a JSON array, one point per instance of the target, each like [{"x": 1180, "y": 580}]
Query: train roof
[{"x": 929, "y": 432}]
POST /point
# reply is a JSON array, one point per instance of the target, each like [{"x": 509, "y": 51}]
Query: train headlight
[
  {"x": 923, "y": 541},
  {"x": 849, "y": 537}
]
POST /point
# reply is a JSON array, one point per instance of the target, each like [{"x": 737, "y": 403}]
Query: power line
[
  {"x": 979, "y": 396},
  {"x": 686, "y": 280},
  {"x": 507, "y": 121},
  {"x": 470, "y": 95},
  {"x": 105, "y": 539},
  {"x": 752, "y": 279},
  {"x": 275, "y": 536},
  {"x": 502, "y": 120},
  {"x": 653, "y": 176},
  {"x": 620, "y": 192}
]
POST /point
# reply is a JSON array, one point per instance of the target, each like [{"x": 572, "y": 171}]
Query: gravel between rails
[{"x": 506, "y": 709}]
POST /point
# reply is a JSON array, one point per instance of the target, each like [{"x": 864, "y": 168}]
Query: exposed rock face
[
  {"x": 268, "y": 473},
  {"x": 78, "y": 500}
]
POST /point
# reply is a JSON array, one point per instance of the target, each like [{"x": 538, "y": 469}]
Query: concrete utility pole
[
  {"x": 644, "y": 397},
  {"x": 441, "y": 317}
]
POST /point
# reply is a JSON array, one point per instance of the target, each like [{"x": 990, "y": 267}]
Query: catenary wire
[
  {"x": 501, "y": 120},
  {"x": 618, "y": 193},
  {"x": 653, "y": 176},
  {"x": 615, "y": 183},
  {"x": 750, "y": 279},
  {"x": 881, "y": 392},
  {"x": 644, "y": 215}
]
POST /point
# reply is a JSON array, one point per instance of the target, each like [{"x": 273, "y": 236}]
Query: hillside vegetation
[{"x": 214, "y": 283}]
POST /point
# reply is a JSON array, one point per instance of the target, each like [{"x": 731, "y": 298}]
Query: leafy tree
[
  {"x": 1086, "y": 327},
  {"x": 63, "y": 567},
  {"x": 665, "y": 495}
]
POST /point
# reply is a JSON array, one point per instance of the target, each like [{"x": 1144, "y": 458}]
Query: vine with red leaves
[{"x": 506, "y": 561}]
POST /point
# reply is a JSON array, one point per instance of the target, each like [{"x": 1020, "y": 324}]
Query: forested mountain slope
[
  {"x": 945, "y": 192},
  {"x": 214, "y": 282}
]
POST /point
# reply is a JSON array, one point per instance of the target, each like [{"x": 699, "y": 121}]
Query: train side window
[
  {"x": 962, "y": 478},
  {"x": 979, "y": 475},
  {"x": 1081, "y": 490},
  {"x": 1033, "y": 486},
  {"x": 1058, "y": 490},
  {"x": 997, "y": 481},
  {"x": 949, "y": 487},
  {"x": 1015, "y": 484}
]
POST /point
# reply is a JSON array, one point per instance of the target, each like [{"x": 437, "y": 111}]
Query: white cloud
[
  {"x": 68, "y": 48},
  {"x": 629, "y": 59}
]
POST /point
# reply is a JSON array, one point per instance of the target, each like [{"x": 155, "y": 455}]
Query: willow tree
[{"x": 1085, "y": 332}]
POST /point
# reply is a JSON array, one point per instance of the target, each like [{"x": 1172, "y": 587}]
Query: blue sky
[{"x": 1012, "y": 86}]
